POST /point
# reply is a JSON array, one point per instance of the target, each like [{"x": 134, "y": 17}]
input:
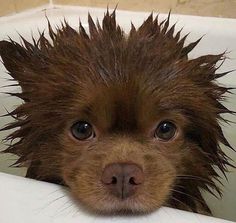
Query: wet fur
[{"x": 124, "y": 85}]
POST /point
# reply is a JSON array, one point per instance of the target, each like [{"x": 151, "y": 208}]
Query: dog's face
[
  {"x": 123, "y": 147},
  {"x": 128, "y": 123}
]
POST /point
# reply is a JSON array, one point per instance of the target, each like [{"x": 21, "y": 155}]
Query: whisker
[
  {"x": 192, "y": 177},
  {"x": 191, "y": 196},
  {"x": 53, "y": 192},
  {"x": 66, "y": 208},
  {"x": 58, "y": 198},
  {"x": 175, "y": 199}
]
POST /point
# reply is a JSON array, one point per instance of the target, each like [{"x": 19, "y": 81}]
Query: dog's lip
[{"x": 129, "y": 206}]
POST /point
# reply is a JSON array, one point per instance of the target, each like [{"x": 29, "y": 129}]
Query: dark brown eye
[
  {"x": 82, "y": 130},
  {"x": 165, "y": 131}
]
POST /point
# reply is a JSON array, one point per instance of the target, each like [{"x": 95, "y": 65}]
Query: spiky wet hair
[{"x": 48, "y": 71}]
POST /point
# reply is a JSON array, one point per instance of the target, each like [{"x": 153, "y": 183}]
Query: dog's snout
[{"x": 122, "y": 179}]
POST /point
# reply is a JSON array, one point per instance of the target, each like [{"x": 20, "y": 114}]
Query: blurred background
[{"x": 216, "y": 8}]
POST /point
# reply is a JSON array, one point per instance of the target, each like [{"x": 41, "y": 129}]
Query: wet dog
[{"x": 128, "y": 122}]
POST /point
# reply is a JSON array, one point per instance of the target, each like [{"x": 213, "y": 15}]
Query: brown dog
[{"x": 127, "y": 122}]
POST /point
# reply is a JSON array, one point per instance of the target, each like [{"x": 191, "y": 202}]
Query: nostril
[
  {"x": 132, "y": 181},
  {"x": 113, "y": 180}
]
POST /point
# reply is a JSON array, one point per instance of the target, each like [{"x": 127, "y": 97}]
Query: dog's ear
[
  {"x": 13, "y": 56},
  {"x": 18, "y": 61},
  {"x": 25, "y": 63},
  {"x": 14, "y": 59}
]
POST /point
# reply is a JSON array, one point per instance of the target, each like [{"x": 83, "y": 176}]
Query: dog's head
[{"x": 127, "y": 122}]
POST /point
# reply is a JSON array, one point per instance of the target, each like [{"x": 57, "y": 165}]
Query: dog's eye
[
  {"x": 165, "y": 131},
  {"x": 82, "y": 130}
]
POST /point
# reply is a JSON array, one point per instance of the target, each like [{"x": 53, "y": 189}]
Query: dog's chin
[
  {"x": 115, "y": 206},
  {"x": 121, "y": 208}
]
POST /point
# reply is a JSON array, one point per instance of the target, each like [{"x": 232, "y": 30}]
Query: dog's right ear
[
  {"x": 13, "y": 57},
  {"x": 24, "y": 63}
]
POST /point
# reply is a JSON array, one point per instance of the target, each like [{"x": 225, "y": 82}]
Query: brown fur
[{"x": 124, "y": 86}]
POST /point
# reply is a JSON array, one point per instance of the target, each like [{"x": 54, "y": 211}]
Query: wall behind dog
[
  {"x": 221, "y": 8},
  {"x": 15, "y": 6}
]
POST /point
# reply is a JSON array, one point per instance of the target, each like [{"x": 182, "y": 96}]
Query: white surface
[
  {"x": 219, "y": 35},
  {"x": 30, "y": 201}
]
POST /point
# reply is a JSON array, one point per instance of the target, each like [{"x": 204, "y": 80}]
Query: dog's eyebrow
[
  {"x": 87, "y": 110},
  {"x": 169, "y": 105},
  {"x": 172, "y": 108}
]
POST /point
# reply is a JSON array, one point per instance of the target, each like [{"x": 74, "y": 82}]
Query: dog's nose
[{"x": 122, "y": 179}]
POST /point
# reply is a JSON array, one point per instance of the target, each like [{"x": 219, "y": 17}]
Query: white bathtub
[
  {"x": 219, "y": 35},
  {"x": 49, "y": 203}
]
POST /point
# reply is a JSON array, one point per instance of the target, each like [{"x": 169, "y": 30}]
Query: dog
[{"x": 126, "y": 121}]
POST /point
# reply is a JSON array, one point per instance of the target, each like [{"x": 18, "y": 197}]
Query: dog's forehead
[
  {"x": 137, "y": 104},
  {"x": 120, "y": 107}
]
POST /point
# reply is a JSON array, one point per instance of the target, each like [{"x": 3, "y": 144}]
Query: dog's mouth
[
  {"x": 129, "y": 206},
  {"x": 117, "y": 206}
]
